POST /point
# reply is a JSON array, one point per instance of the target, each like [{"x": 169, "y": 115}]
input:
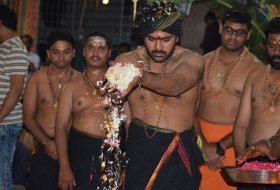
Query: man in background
[
  {"x": 211, "y": 39},
  {"x": 226, "y": 70},
  {"x": 259, "y": 111},
  {"x": 13, "y": 73},
  {"x": 40, "y": 105},
  {"x": 79, "y": 145},
  {"x": 34, "y": 59}
]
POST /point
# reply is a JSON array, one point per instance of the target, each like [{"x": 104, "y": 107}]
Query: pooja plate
[{"x": 233, "y": 174}]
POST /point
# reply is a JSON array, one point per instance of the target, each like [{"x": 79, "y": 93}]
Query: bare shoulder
[
  {"x": 39, "y": 74},
  {"x": 132, "y": 56},
  {"x": 76, "y": 80},
  {"x": 76, "y": 73},
  {"x": 207, "y": 57},
  {"x": 256, "y": 73},
  {"x": 188, "y": 57},
  {"x": 253, "y": 62}
]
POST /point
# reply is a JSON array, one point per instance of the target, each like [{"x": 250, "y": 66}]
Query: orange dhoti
[{"x": 214, "y": 180}]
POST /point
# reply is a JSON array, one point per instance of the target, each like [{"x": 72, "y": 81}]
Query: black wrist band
[{"x": 220, "y": 151}]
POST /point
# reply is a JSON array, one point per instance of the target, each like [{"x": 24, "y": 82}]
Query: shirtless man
[
  {"x": 79, "y": 150},
  {"x": 39, "y": 108},
  {"x": 225, "y": 73},
  {"x": 258, "y": 116},
  {"x": 161, "y": 145}
]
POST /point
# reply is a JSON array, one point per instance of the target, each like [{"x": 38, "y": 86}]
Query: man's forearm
[
  {"x": 9, "y": 102},
  {"x": 38, "y": 133},
  {"x": 239, "y": 141},
  {"x": 227, "y": 141},
  {"x": 275, "y": 145},
  {"x": 167, "y": 84},
  {"x": 62, "y": 147}
]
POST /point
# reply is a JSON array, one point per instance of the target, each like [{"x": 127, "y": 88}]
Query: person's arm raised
[
  {"x": 184, "y": 77},
  {"x": 187, "y": 74}
]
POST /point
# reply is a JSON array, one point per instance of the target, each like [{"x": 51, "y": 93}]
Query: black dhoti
[
  {"x": 168, "y": 161},
  {"x": 84, "y": 152}
]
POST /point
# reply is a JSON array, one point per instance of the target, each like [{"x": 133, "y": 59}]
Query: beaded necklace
[
  {"x": 56, "y": 91},
  {"x": 210, "y": 69},
  {"x": 270, "y": 92},
  {"x": 159, "y": 99}
]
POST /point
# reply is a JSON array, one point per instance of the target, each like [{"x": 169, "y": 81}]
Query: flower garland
[{"x": 112, "y": 158}]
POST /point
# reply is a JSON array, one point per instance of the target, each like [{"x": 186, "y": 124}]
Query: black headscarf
[{"x": 158, "y": 16}]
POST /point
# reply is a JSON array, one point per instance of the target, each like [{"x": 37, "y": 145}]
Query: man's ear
[
  {"x": 74, "y": 52},
  {"x": 249, "y": 34},
  {"x": 110, "y": 51},
  {"x": 220, "y": 28},
  {"x": 48, "y": 53}
]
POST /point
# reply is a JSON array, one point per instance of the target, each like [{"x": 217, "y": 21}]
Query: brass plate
[{"x": 251, "y": 176}]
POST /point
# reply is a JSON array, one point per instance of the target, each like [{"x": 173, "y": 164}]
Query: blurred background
[{"x": 115, "y": 18}]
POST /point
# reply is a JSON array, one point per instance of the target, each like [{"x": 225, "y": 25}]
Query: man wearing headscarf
[{"x": 161, "y": 144}]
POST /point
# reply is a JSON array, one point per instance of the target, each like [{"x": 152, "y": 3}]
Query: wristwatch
[{"x": 220, "y": 151}]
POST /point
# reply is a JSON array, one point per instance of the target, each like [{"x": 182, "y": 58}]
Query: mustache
[
  {"x": 274, "y": 57},
  {"x": 160, "y": 52},
  {"x": 95, "y": 57},
  {"x": 231, "y": 40}
]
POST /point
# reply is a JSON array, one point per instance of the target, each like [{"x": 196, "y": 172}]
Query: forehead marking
[{"x": 97, "y": 41}]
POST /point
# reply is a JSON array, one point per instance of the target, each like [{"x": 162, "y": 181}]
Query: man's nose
[
  {"x": 61, "y": 56},
  {"x": 158, "y": 45},
  {"x": 95, "y": 51},
  {"x": 233, "y": 34},
  {"x": 277, "y": 49}
]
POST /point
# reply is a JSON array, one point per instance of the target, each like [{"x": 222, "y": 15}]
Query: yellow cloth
[{"x": 213, "y": 180}]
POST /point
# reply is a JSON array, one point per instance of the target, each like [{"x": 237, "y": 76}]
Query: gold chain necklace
[
  {"x": 56, "y": 91},
  {"x": 210, "y": 69},
  {"x": 159, "y": 99},
  {"x": 90, "y": 83},
  {"x": 269, "y": 98}
]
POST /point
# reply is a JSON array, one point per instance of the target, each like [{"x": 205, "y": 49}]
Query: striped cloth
[{"x": 13, "y": 61}]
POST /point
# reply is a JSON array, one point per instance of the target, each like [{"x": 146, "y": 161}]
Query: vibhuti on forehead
[{"x": 97, "y": 41}]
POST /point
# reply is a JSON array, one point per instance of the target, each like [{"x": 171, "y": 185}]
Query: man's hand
[
  {"x": 213, "y": 160},
  {"x": 31, "y": 67},
  {"x": 138, "y": 79},
  {"x": 214, "y": 164},
  {"x": 122, "y": 179},
  {"x": 50, "y": 149},
  {"x": 260, "y": 148},
  {"x": 66, "y": 179}
]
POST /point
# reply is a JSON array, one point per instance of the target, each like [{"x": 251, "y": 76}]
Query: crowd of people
[{"x": 187, "y": 115}]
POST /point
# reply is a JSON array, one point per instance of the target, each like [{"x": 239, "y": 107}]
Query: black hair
[
  {"x": 28, "y": 37},
  {"x": 273, "y": 26},
  {"x": 57, "y": 35},
  {"x": 237, "y": 15},
  {"x": 8, "y": 17},
  {"x": 125, "y": 45},
  {"x": 210, "y": 15},
  {"x": 92, "y": 34}
]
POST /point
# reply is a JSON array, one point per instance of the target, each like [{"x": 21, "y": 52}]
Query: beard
[{"x": 275, "y": 62}]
